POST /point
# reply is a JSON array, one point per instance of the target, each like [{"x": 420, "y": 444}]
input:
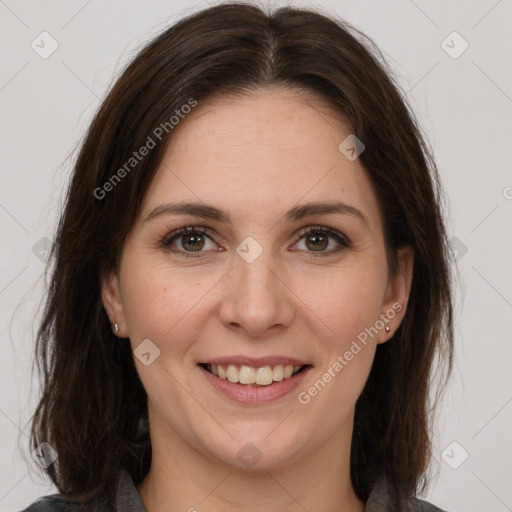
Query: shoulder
[
  {"x": 417, "y": 505},
  {"x": 384, "y": 498},
  {"x": 53, "y": 503},
  {"x": 57, "y": 503},
  {"x": 126, "y": 499}
]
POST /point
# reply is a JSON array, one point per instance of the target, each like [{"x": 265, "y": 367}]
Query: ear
[
  {"x": 397, "y": 293},
  {"x": 111, "y": 298}
]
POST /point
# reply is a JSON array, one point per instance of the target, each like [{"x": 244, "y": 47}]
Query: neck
[{"x": 182, "y": 478}]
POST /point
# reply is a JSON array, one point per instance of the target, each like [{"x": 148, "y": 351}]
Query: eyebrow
[{"x": 206, "y": 211}]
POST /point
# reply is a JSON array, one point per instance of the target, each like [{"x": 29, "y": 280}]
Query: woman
[{"x": 251, "y": 280}]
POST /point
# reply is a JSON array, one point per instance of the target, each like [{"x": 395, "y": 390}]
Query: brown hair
[{"x": 93, "y": 409}]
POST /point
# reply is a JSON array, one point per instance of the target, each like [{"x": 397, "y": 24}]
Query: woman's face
[{"x": 253, "y": 291}]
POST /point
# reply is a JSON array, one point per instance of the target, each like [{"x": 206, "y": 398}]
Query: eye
[
  {"x": 316, "y": 239},
  {"x": 189, "y": 240},
  {"x": 192, "y": 239}
]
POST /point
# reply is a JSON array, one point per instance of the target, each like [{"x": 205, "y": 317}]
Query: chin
[{"x": 255, "y": 449}]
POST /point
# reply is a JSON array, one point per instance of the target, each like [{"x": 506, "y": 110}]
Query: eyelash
[{"x": 343, "y": 241}]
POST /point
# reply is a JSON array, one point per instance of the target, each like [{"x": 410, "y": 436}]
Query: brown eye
[
  {"x": 188, "y": 241},
  {"x": 192, "y": 241},
  {"x": 317, "y": 239}
]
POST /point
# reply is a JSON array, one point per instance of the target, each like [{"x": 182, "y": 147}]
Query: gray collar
[{"x": 128, "y": 498}]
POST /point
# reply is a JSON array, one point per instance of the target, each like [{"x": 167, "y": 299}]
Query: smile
[
  {"x": 254, "y": 376},
  {"x": 254, "y": 380}
]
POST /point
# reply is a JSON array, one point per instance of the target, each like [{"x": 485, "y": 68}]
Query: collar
[{"x": 128, "y": 498}]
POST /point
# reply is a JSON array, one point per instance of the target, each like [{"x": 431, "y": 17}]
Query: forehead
[{"x": 261, "y": 154}]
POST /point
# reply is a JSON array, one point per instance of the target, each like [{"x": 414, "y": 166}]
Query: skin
[{"x": 256, "y": 156}]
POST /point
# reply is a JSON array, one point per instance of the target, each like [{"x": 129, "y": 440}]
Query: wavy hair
[{"x": 93, "y": 407}]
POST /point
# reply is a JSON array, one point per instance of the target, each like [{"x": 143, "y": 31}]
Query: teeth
[
  {"x": 233, "y": 373},
  {"x": 247, "y": 375},
  {"x": 278, "y": 373},
  {"x": 262, "y": 376}
]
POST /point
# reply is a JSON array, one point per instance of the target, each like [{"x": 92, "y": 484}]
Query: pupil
[
  {"x": 315, "y": 243},
  {"x": 195, "y": 244},
  {"x": 194, "y": 241}
]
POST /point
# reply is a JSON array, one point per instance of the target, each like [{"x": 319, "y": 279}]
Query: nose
[{"x": 256, "y": 297}]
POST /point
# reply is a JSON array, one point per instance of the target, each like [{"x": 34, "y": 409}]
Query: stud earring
[
  {"x": 115, "y": 328},
  {"x": 388, "y": 329}
]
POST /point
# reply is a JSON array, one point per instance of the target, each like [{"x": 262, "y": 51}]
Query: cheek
[
  {"x": 343, "y": 312},
  {"x": 344, "y": 302},
  {"x": 163, "y": 304}
]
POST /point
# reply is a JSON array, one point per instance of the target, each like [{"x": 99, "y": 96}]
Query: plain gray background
[{"x": 464, "y": 104}]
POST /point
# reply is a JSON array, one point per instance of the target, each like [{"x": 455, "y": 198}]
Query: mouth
[{"x": 254, "y": 376}]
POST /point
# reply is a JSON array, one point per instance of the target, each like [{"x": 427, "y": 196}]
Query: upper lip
[{"x": 256, "y": 362}]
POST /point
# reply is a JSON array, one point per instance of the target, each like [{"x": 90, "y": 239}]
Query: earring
[
  {"x": 115, "y": 328},
  {"x": 388, "y": 329}
]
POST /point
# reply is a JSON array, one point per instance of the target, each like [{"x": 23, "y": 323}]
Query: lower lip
[{"x": 254, "y": 395}]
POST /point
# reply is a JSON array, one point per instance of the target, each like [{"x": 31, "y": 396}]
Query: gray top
[{"x": 128, "y": 499}]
